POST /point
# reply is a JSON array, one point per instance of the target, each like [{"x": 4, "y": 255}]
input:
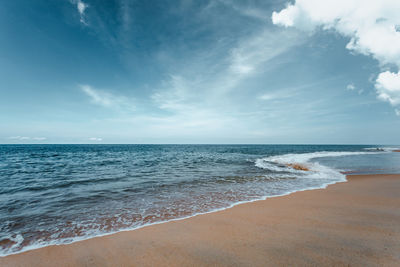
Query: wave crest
[{"x": 284, "y": 164}]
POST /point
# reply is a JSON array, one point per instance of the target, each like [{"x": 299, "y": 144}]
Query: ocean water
[{"x": 57, "y": 194}]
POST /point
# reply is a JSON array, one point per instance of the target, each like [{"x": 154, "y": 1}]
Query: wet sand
[{"x": 348, "y": 224}]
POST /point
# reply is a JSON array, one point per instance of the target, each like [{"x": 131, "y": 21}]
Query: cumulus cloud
[
  {"x": 107, "y": 99},
  {"x": 373, "y": 29},
  {"x": 81, "y": 7},
  {"x": 388, "y": 87}
]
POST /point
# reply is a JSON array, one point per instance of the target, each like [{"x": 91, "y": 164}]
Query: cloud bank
[
  {"x": 372, "y": 26},
  {"x": 26, "y": 138},
  {"x": 98, "y": 139}
]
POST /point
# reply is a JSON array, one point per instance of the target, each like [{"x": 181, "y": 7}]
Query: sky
[{"x": 214, "y": 72}]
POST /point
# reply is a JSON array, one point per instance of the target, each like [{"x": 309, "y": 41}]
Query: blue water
[{"x": 53, "y": 194}]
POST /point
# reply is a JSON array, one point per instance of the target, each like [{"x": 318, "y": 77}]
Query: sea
[{"x": 59, "y": 194}]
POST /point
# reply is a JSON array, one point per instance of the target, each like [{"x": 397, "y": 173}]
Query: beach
[
  {"x": 200, "y": 133},
  {"x": 355, "y": 223}
]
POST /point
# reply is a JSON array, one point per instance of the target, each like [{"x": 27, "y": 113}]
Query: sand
[{"x": 348, "y": 224}]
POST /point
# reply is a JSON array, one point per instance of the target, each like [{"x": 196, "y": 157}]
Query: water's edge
[{"x": 79, "y": 239}]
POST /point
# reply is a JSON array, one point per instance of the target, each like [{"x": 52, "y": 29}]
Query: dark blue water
[{"x": 52, "y": 194}]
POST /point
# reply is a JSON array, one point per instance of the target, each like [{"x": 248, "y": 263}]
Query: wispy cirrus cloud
[
  {"x": 107, "y": 99},
  {"x": 259, "y": 49},
  {"x": 373, "y": 29},
  {"x": 277, "y": 95},
  {"x": 200, "y": 95},
  {"x": 248, "y": 58},
  {"x": 245, "y": 8}
]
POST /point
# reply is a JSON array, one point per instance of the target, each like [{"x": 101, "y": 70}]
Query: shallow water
[{"x": 52, "y": 194}]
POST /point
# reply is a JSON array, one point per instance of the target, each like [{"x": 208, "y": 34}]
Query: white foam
[
  {"x": 279, "y": 163},
  {"x": 96, "y": 233},
  {"x": 386, "y": 149},
  {"x": 306, "y": 157},
  {"x": 17, "y": 240}
]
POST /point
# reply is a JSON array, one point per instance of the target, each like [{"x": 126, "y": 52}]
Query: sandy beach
[{"x": 347, "y": 224}]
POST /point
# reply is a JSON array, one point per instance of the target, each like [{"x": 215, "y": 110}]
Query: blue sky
[{"x": 218, "y": 71}]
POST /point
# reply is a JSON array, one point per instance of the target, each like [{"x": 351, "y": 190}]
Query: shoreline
[
  {"x": 149, "y": 236},
  {"x": 85, "y": 238}
]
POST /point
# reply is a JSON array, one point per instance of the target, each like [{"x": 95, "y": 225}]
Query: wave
[{"x": 283, "y": 164}]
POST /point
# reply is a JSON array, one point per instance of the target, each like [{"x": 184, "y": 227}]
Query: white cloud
[
  {"x": 176, "y": 94},
  {"x": 245, "y": 9},
  {"x": 19, "y": 137},
  {"x": 81, "y": 7},
  {"x": 25, "y": 138},
  {"x": 350, "y": 87},
  {"x": 203, "y": 98},
  {"x": 259, "y": 49},
  {"x": 107, "y": 99},
  {"x": 289, "y": 92},
  {"x": 189, "y": 108},
  {"x": 372, "y": 26},
  {"x": 98, "y": 139},
  {"x": 388, "y": 87},
  {"x": 277, "y": 95},
  {"x": 97, "y": 97}
]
